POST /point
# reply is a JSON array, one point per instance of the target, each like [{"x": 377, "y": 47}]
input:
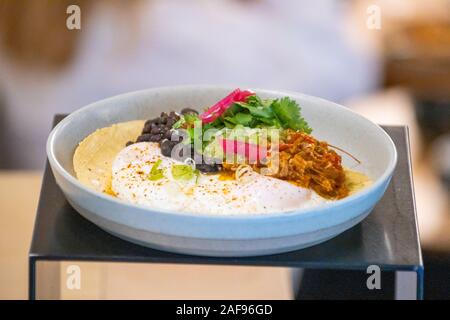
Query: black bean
[
  {"x": 167, "y": 135},
  {"x": 155, "y": 130},
  {"x": 129, "y": 143},
  {"x": 154, "y": 120},
  {"x": 207, "y": 168},
  {"x": 174, "y": 135},
  {"x": 170, "y": 122},
  {"x": 166, "y": 147},
  {"x": 147, "y": 128},
  {"x": 189, "y": 110},
  {"x": 144, "y": 137},
  {"x": 155, "y": 138}
]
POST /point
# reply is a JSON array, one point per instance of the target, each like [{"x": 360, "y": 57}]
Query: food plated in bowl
[
  {"x": 242, "y": 155},
  {"x": 216, "y": 171}
]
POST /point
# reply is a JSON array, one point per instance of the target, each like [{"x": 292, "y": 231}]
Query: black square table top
[{"x": 388, "y": 237}]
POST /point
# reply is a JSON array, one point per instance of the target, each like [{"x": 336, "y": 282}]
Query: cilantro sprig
[
  {"x": 288, "y": 112},
  {"x": 258, "y": 113}
]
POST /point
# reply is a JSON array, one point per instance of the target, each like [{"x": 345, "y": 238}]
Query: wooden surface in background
[{"x": 19, "y": 192}]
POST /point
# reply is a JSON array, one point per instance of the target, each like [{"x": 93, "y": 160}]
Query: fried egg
[{"x": 204, "y": 194}]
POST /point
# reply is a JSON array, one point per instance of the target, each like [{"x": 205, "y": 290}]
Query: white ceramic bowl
[{"x": 211, "y": 235}]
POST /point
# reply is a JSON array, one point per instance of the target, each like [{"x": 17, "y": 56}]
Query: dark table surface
[{"x": 388, "y": 237}]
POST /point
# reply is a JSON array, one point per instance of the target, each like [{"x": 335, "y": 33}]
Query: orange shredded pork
[
  {"x": 306, "y": 162},
  {"x": 310, "y": 163}
]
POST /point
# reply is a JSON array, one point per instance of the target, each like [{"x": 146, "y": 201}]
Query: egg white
[{"x": 207, "y": 194}]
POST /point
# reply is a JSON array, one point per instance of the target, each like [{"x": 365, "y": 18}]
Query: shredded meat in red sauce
[{"x": 310, "y": 163}]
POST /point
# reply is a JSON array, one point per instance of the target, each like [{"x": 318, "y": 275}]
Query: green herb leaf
[
  {"x": 190, "y": 118},
  {"x": 183, "y": 172},
  {"x": 187, "y": 119},
  {"x": 257, "y": 111},
  {"x": 229, "y": 122},
  {"x": 243, "y": 118},
  {"x": 288, "y": 112},
  {"x": 155, "y": 172},
  {"x": 179, "y": 123}
]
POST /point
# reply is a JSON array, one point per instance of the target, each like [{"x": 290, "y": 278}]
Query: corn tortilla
[
  {"x": 93, "y": 158},
  {"x": 356, "y": 181}
]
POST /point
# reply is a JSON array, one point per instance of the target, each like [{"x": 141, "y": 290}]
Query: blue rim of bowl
[{"x": 305, "y": 212}]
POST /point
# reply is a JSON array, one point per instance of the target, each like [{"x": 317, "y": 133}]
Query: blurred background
[{"x": 393, "y": 70}]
